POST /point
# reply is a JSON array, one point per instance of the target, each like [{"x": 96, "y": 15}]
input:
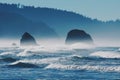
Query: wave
[
  {"x": 63, "y": 58},
  {"x": 118, "y": 49},
  {"x": 84, "y": 67},
  {"x": 38, "y": 61},
  {"x": 6, "y": 53},
  {"x": 26, "y": 53},
  {"x": 8, "y": 59},
  {"x": 106, "y": 54},
  {"x": 29, "y": 63},
  {"x": 78, "y": 58},
  {"x": 9, "y": 56},
  {"x": 93, "y": 58},
  {"x": 23, "y": 65},
  {"x": 42, "y": 50}
]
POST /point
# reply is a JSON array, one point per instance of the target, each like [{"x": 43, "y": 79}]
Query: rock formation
[
  {"x": 77, "y": 36},
  {"x": 27, "y": 40}
]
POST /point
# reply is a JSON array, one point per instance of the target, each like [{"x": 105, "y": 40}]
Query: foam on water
[
  {"x": 37, "y": 61},
  {"x": 26, "y": 52},
  {"x": 6, "y": 53},
  {"x": 84, "y": 67},
  {"x": 40, "y": 50},
  {"x": 75, "y": 57},
  {"x": 118, "y": 49},
  {"x": 23, "y": 65},
  {"x": 106, "y": 54}
]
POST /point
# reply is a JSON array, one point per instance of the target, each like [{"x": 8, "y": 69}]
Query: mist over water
[{"x": 61, "y": 42}]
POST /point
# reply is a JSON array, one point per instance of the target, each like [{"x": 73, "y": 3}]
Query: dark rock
[
  {"x": 27, "y": 40},
  {"x": 77, "y": 36},
  {"x": 14, "y": 44}
]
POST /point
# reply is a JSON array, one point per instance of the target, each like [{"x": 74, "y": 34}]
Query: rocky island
[
  {"x": 27, "y": 40},
  {"x": 77, "y": 36}
]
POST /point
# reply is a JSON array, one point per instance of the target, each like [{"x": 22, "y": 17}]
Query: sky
[{"x": 101, "y": 9}]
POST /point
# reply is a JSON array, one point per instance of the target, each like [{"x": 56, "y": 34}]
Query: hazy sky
[{"x": 100, "y": 9}]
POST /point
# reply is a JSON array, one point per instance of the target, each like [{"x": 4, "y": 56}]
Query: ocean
[{"x": 39, "y": 63}]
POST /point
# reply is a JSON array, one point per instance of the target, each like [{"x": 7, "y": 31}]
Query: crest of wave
[
  {"x": 38, "y": 50},
  {"x": 53, "y": 48},
  {"x": 38, "y": 61},
  {"x": 84, "y": 67},
  {"x": 106, "y": 54}
]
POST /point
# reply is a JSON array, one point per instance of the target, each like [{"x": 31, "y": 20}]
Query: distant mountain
[
  {"x": 64, "y": 21},
  {"x": 13, "y": 25}
]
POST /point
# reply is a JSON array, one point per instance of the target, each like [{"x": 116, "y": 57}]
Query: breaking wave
[
  {"x": 23, "y": 65},
  {"x": 84, "y": 67},
  {"x": 65, "y": 58},
  {"x": 106, "y": 54},
  {"x": 8, "y": 59}
]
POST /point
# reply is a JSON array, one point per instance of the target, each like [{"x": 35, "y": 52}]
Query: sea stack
[
  {"x": 78, "y": 36},
  {"x": 27, "y": 40}
]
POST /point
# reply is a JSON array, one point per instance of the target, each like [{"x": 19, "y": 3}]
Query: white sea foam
[
  {"x": 38, "y": 61},
  {"x": 6, "y": 53},
  {"x": 84, "y": 67},
  {"x": 106, "y": 54},
  {"x": 119, "y": 49},
  {"x": 28, "y": 51}
]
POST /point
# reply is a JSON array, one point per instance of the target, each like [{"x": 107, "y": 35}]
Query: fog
[{"x": 53, "y": 43}]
